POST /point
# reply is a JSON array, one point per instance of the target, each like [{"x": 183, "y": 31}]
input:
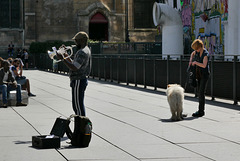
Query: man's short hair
[
  {"x": 81, "y": 35},
  {"x": 81, "y": 38}
]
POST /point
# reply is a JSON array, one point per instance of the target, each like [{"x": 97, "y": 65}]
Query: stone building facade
[{"x": 26, "y": 21}]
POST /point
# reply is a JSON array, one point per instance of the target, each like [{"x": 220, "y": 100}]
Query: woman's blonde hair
[{"x": 197, "y": 44}]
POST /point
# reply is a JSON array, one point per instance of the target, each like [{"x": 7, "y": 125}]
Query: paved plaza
[{"x": 129, "y": 124}]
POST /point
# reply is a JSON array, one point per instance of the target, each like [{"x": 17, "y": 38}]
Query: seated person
[
  {"x": 1, "y": 60},
  {"x": 8, "y": 83},
  {"x": 16, "y": 69}
]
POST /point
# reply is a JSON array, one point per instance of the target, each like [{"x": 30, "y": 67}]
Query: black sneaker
[
  {"x": 5, "y": 105},
  {"x": 21, "y": 104},
  {"x": 198, "y": 114},
  {"x": 31, "y": 95}
]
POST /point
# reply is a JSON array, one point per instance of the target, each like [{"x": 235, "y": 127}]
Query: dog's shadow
[{"x": 184, "y": 119}]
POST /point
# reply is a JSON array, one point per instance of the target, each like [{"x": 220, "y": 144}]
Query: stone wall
[
  {"x": 60, "y": 20},
  {"x": 142, "y": 35},
  {"x": 9, "y": 35}
]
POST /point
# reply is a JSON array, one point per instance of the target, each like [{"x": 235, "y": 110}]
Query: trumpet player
[{"x": 79, "y": 68}]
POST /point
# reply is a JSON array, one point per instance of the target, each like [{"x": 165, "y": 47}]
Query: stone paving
[{"x": 129, "y": 124}]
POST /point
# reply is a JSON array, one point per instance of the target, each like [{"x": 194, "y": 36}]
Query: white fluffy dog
[{"x": 175, "y": 97}]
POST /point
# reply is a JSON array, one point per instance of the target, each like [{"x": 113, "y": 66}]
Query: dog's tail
[{"x": 178, "y": 99}]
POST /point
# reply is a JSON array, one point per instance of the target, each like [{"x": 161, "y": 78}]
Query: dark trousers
[
  {"x": 78, "y": 90},
  {"x": 5, "y": 90},
  {"x": 202, "y": 84}
]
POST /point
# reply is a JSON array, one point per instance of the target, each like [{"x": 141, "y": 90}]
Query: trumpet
[{"x": 62, "y": 50}]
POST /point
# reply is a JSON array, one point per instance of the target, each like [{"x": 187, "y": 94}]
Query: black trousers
[
  {"x": 202, "y": 84},
  {"x": 78, "y": 90}
]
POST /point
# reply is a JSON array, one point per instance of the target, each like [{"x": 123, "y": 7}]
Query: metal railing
[
  {"x": 157, "y": 71},
  {"x": 127, "y": 48}
]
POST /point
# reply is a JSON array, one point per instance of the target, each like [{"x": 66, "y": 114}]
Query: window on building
[
  {"x": 10, "y": 14},
  {"x": 98, "y": 27},
  {"x": 143, "y": 13}
]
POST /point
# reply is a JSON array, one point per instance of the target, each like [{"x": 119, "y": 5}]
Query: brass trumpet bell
[{"x": 62, "y": 50}]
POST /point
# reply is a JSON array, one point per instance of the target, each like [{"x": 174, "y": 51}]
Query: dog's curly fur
[{"x": 175, "y": 97}]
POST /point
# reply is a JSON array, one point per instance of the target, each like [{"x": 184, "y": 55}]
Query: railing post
[
  {"x": 168, "y": 58},
  {"x": 119, "y": 48},
  {"x": 101, "y": 48},
  {"x": 144, "y": 72},
  {"x": 127, "y": 71},
  {"x": 212, "y": 78},
  {"x": 111, "y": 71},
  {"x": 99, "y": 76},
  {"x": 92, "y": 71},
  {"x": 105, "y": 76},
  {"x": 135, "y": 71},
  {"x": 118, "y": 70},
  {"x": 180, "y": 70},
  {"x": 235, "y": 80},
  {"x": 154, "y": 74}
]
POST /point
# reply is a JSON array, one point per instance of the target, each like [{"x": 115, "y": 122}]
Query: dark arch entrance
[{"x": 98, "y": 27}]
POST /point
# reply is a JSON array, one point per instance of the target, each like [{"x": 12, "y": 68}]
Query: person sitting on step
[
  {"x": 8, "y": 83},
  {"x": 17, "y": 69}
]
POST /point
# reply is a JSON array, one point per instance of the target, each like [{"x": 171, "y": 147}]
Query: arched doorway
[{"x": 98, "y": 27}]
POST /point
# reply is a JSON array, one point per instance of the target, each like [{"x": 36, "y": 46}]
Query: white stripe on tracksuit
[{"x": 76, "y": 103}]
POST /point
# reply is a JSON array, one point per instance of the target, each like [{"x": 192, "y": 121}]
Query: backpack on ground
[{"x": 82, "y": 133}]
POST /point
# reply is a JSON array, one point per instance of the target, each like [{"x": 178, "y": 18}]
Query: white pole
[
  {"x": 172, "y": 29},
  {"x": 233, "y": 30}
]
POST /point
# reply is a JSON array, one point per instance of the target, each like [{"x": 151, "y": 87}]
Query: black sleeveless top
[{"x": 203, "y": 71}]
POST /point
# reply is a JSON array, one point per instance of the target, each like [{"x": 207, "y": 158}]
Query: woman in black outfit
[{"x": 199, "y": 58}]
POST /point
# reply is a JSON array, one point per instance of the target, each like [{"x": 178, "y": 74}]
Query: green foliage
[
  {"x": 92, "y": 41},
  {"x": 43, "y": 47},
  {"x": 104, "y": 42}
]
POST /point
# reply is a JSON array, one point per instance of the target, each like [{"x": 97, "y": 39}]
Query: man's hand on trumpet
[
  {"x": 61, "y": 52},
  {"x": 61, "y": 56}
]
